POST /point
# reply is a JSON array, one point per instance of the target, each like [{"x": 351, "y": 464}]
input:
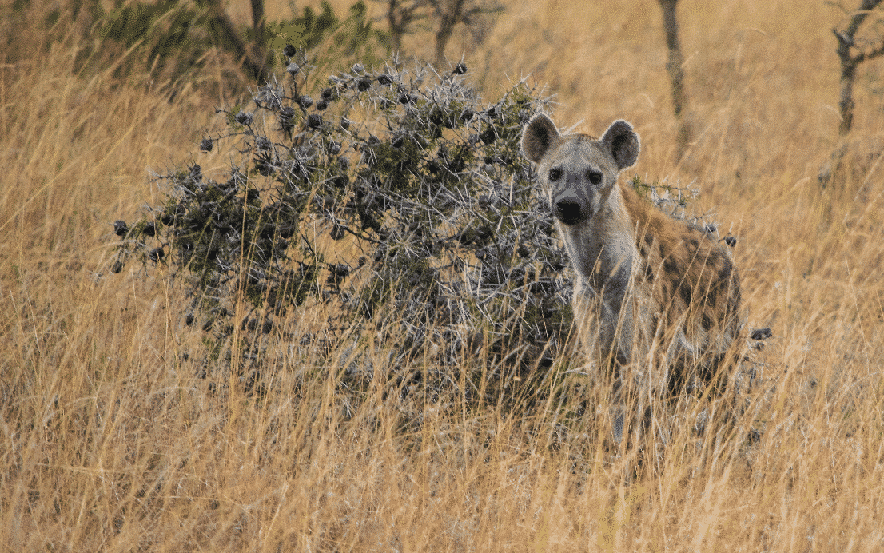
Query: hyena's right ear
[
  {"x": 623, "y": 143},
  {"x": 538, "y": 136}
]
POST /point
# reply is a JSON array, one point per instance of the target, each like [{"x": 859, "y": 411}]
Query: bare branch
[
  {"x": 874, "y": 53},
  {"x": 401, "y": 16},
  {"x": 850, "y": 61},
  {"x": 860, "y": 15},
  {"x": 227, "y": 35},
  {"x": 450, "y": 13}
]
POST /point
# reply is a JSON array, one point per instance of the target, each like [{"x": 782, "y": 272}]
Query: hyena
[{"x": 664, "y": 295}]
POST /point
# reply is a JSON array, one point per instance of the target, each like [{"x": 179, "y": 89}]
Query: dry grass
[{"x": 110, "y": 441}]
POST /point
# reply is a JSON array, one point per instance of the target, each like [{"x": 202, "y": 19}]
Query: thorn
[{"x": 842, "y": 38}]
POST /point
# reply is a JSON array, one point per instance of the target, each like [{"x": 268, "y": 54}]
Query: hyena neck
[{"x": 602, "y": 248}]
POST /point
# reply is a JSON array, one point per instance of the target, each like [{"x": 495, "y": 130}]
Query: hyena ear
[
  {"x": 623, "y": 143},
  {"x": 538, "y": 136}
]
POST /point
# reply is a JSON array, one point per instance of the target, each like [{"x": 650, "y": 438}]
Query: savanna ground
[{"x": 111, "y": 440}]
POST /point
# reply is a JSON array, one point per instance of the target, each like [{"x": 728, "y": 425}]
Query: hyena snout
[
  {"x": 568, "y": 207},
  {"x": 567, "y": 210}
]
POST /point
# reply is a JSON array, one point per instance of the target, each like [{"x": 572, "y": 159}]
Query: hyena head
[
  {"x": 580, "y": 175},
  {"x": 579, "y": 171}
]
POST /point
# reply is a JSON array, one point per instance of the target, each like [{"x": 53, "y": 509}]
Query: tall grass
[{"x": 112, "y": 439}]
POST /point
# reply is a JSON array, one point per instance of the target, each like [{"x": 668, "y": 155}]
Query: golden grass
[{"x": 110, "y": 440}]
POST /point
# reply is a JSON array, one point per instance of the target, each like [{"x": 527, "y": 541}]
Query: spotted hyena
[{"x": 658, "y": 292}]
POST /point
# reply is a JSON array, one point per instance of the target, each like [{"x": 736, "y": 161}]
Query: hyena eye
[
  {"x": 555, "y": 174},
  {"x": 594, "y": 177}
]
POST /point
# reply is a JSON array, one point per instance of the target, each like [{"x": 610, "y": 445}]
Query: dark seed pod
[
  {"x": 322, "y": 105},
  {"x": 150, "y": 229},
  {"x": 289, "y": 50},
  {"x": 488, "y": 136},
  {"x": 460, "y": 68},
  {"x": 384, "y": 79},
  {"x": 761, "y": 333},
  {"x": 363, "y": 84},
  {"x": 156, "y": 254},
  {"x": 305, "y": 101},
  {"x": 436, "y": 116},
  {"x": 265, "y": 169},
  {"x": 730, "y": 241},
  {"x": 206, "y": 145},
  {"x": 286, "y": 118},
  {"x": 328, "y": 94},
  {"x": 314, "y": 121},
  {"x": 337, "y": 232},
  {"x": 117, "y": 267},
  {"x": 120, "y": 228},
  {"x": 244, "y": 118},
  {"x": 345, "y": 123}
]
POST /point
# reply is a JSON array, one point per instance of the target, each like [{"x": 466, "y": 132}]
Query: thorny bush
[{"x": 407, "y": 168}]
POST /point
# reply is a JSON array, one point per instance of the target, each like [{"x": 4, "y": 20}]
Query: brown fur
[{"x": 692, "y": 278}]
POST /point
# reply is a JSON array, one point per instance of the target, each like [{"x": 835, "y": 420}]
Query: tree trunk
[
  {"x": 849, "y": 61},
  {"x": 395, "y": 26},
  {"x": 259, "y": 47},
  {"x": 258, "y": 19},
  {"x": 448, "y": 18},
  {"x": 675, "y": 67},
  {"x": 846, "y": 103},
  {"x": 224, "y": 33}
]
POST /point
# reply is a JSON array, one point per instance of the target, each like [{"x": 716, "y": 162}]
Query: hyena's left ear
[
  {"x": 538, "y": 136},
  {"x": 623, "y": 143}
]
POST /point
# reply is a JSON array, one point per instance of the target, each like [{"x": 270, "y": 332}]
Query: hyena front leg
[{"x": 605, "y": 330}]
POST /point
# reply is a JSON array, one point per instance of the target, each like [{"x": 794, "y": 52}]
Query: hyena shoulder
[{"x": 689, "y": 274}]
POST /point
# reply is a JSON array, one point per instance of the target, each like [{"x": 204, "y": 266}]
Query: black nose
[{"x": 568, "y": 212}]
